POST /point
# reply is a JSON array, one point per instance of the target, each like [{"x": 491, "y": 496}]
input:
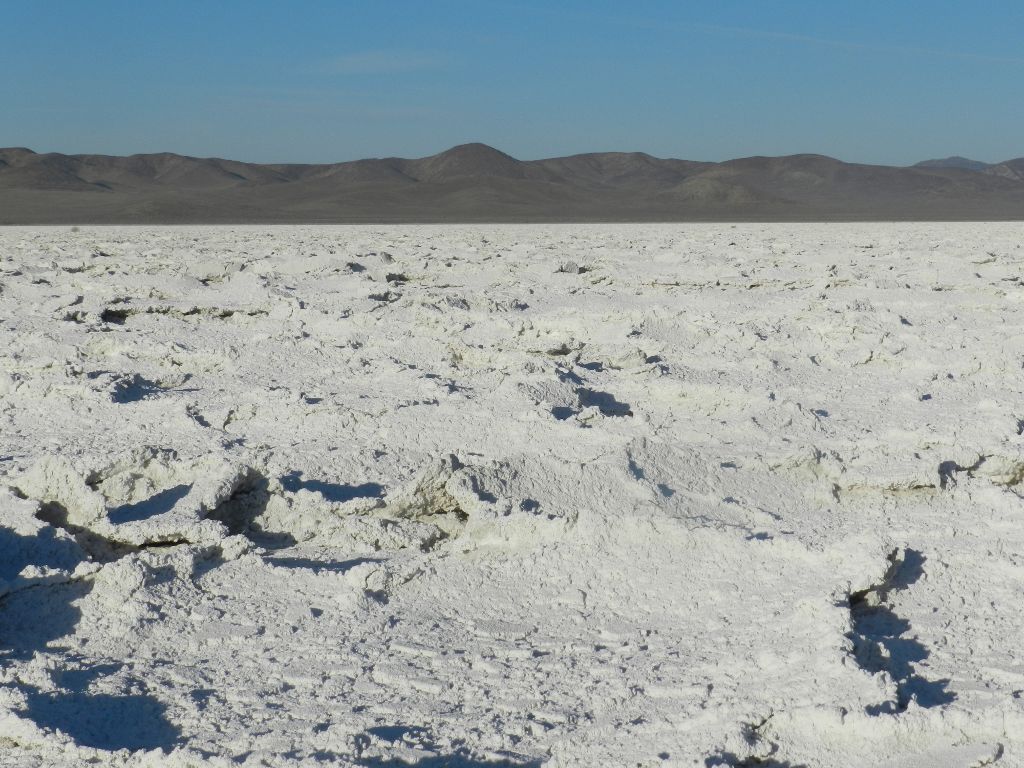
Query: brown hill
[
  {"x": 956, "y": 161},
  {"x": 1011, "y": 169},
  {"x": 474, "y": 182}
]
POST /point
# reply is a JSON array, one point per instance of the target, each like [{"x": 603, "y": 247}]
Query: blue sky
[{"x": 319, "y": 81}]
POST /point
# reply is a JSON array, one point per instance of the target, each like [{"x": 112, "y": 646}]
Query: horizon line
[{"x": 513, "y": 157}]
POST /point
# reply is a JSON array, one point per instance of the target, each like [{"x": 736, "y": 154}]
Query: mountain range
[{"x": 477, "y": 183}]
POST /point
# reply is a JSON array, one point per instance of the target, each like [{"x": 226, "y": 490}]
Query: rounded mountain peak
[{"x": 468, "y": 160}]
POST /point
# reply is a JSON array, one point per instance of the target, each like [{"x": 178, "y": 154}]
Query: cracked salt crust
[{"x": 518, "y": 495}]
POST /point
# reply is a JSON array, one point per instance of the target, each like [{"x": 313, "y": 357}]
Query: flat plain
[{"x": 566, "y": 495}]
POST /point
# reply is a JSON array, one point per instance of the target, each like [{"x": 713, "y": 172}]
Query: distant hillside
[
  {"x": 1011, "y": 169},
  {"x": 474, "y": 182},
  {"x": 955, "y": 161}
]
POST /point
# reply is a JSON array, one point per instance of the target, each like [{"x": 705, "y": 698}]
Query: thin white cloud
[
  {"x": 382, "y": 63},
  {"x": 858, "y": 46},
  {"x": 327, "y": 102},
  {"x": 640, "y": 22}
]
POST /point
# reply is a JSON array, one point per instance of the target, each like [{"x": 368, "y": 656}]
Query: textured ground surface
[{"x": 476, "y": 496}]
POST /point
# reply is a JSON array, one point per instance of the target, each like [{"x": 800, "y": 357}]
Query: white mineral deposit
[{"x": 571, "y": 495}]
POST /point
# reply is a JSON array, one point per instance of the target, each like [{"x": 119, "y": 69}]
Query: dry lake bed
[{"x": 468, "y": 496}]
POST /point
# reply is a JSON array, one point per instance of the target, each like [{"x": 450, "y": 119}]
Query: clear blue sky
[{"x": 316, "y": 80}]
